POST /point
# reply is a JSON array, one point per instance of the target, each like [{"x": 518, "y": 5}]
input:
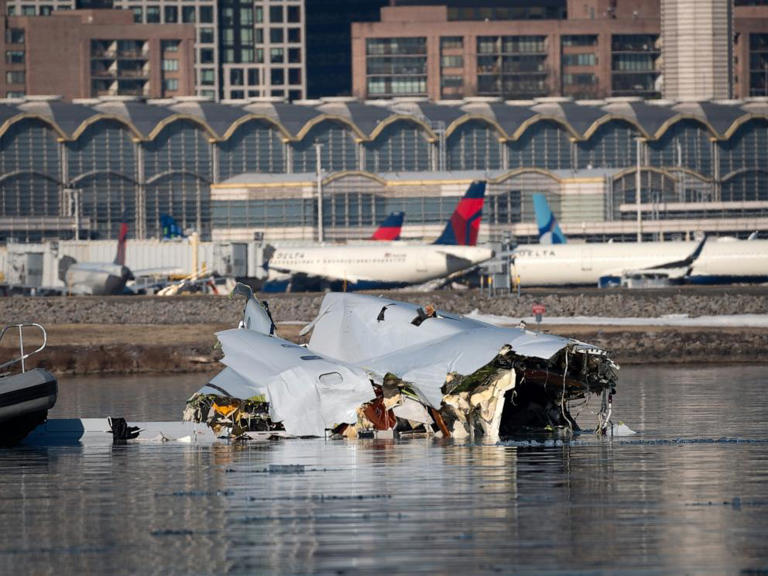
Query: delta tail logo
[
  {"x": 549, "y": 229},
  {"x": 390, "y": 228},
  {"x": 463, "y": 227}
]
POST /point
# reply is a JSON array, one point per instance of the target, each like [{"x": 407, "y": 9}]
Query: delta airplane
[
  {"x": 97, "y": 278},
  {"x": 392, "y": 264},
  {"x": 709, "y": 261}
]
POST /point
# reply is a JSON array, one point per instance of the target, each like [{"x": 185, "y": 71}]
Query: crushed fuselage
[{"x": 374, "y": 364}]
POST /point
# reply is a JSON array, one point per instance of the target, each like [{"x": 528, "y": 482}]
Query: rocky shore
[{"x": 90, "y": 335}]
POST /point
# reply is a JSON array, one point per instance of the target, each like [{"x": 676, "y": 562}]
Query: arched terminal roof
[{"x": 510, "y": 119}]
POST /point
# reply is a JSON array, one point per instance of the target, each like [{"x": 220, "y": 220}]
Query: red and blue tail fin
[
  {"x": 121, "y": 237},
  {"x": 390, "y": 228},
  {"x": 464, "y": 225}
]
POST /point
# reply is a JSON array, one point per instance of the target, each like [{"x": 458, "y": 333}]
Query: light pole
[
  {"x": 318, "y": 166},
  {"x": 638, "y": 205},
  {"x": 73, "y": 201}
]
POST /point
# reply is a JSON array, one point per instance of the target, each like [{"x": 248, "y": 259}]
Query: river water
[{"x": 688, "y": 494}]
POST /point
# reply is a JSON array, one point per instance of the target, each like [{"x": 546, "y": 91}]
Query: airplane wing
[
  {"x": 687, "y": 262},
  {"x": 669, "y": 272}
]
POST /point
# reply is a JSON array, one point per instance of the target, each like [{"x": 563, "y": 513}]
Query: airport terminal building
[{"x": 241, "y": 170}]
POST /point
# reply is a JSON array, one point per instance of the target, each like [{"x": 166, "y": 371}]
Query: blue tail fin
[
  {"x": 549, "y": 229},
  {"x": 390, "y": 228},
  {"x": 170, "y": 227},
  {"x": 463, "y": 227}
]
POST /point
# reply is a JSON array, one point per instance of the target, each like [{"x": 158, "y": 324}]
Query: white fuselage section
[
  {"x": 95, "y": 278},
  {"x": 554, "y": 265},
  {"x": 396, "y": 263}
]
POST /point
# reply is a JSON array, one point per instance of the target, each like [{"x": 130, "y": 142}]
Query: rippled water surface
[{"x": 687, "y": 495}]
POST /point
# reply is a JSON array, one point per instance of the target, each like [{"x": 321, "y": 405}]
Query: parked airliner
[
  {"x": 385, "y": 264},
  {"x": 97, "y": 277},
  {"x": 705, "y": 262}
]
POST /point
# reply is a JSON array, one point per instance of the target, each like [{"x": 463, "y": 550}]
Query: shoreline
[
  {"x": 167, "y": 335},
  {"x": 86, "y": 349}
]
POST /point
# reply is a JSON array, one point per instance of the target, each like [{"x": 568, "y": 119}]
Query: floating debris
[{"x": 376, "y": 366}]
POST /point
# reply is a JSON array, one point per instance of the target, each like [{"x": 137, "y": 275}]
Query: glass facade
[
  {"x": 512, "y": 66},
  {"x": 635, "y": 65},
  {"x": 396, "y": 67},
  {"x": 122, "y": 171}
]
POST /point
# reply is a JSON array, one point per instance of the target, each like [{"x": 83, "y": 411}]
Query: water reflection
[{"x": 647, "y": 504}]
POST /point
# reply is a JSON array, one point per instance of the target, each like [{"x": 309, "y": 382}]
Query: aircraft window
[
  {"x": 310, "y": 357},
  {"x": 331, "y": 379}
]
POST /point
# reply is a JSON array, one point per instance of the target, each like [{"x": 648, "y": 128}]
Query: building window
[
  {"x": 276, "y": 55},
  {"x": 14, "y": 57},
  {"x": 246, "y": 54},
  {"x": 153, "y": 14},
  {"x": 206, "y": 35},
  {"x": 258, "y": 37},
  {"x": 228, "y": 55},
  {"x": 206, "y": 56},
  {"x": 170, "y": 84},
  {"x": 207, "y": 77},
  {"x": 579, "y": 79},
  {"x": 452, "y": 81},
  {"x": 46, "y": 10},
  {"x": 294, "y": 35},
  {"x": 277, "y": 76},
  {"x": 294, "y": 55},
  {"x": 15, "y": 36},
  {"x": 15, "y": 94},
  {"x": 171, "y": 14},
  {"x": 253, "y": 77},
  {"x": 294, "y": 76},
  {"x": 15, "y": 77},
  {"x": 580, "y": 40},
  {"x": 452, "y": 43},
  {"x": 138, "y": 14},
  {"x": 28, "y": 11},
  {"x": 206, "y": 14},
  {"x": 237, "y": 94},
  {"x": 188, "y": 14},
  {"x": 11, "y": 11},
  {"x": 169, "y": 45},
  {"x": 275, "y": 14},
  {"x": 258, "y": 14},
  {"x": 170, "y": 65},
  {"x": 276, "y": 35},
  {"x": 260, "y": 55},
  {"x": 208, "y": 94},
  {"x": 246, "y": 16},
  {"x": 452, "y": 61},
  {"x": 396, "y": 46},
  {"x": 579, "y": 59},
  {"x": 294, "y": 14},
  {"x": 246, "y": 36},
  {"x": 294, "y": 94},
  {"x": 236, "y": 77}
]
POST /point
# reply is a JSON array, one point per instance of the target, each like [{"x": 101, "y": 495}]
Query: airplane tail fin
[
  {"x": 170, "y": 227},
  {"x": 121, "y": 238},
  {"x": 549, "y": 229},
  {"x": 464, "y": 224},
  {"x": 390, "y": 228},
  {"x": 64, "y": 263}
]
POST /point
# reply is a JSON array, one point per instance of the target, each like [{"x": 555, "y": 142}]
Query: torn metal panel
[{"x": 305, "y": 392}]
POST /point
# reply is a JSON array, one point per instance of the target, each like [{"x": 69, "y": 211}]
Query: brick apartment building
[
  {"x": 91, "y": 53},
  {"x": 586, "y": 49}
]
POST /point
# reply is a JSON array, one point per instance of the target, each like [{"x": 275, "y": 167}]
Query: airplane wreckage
[{"x": 374, "y": 365}]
